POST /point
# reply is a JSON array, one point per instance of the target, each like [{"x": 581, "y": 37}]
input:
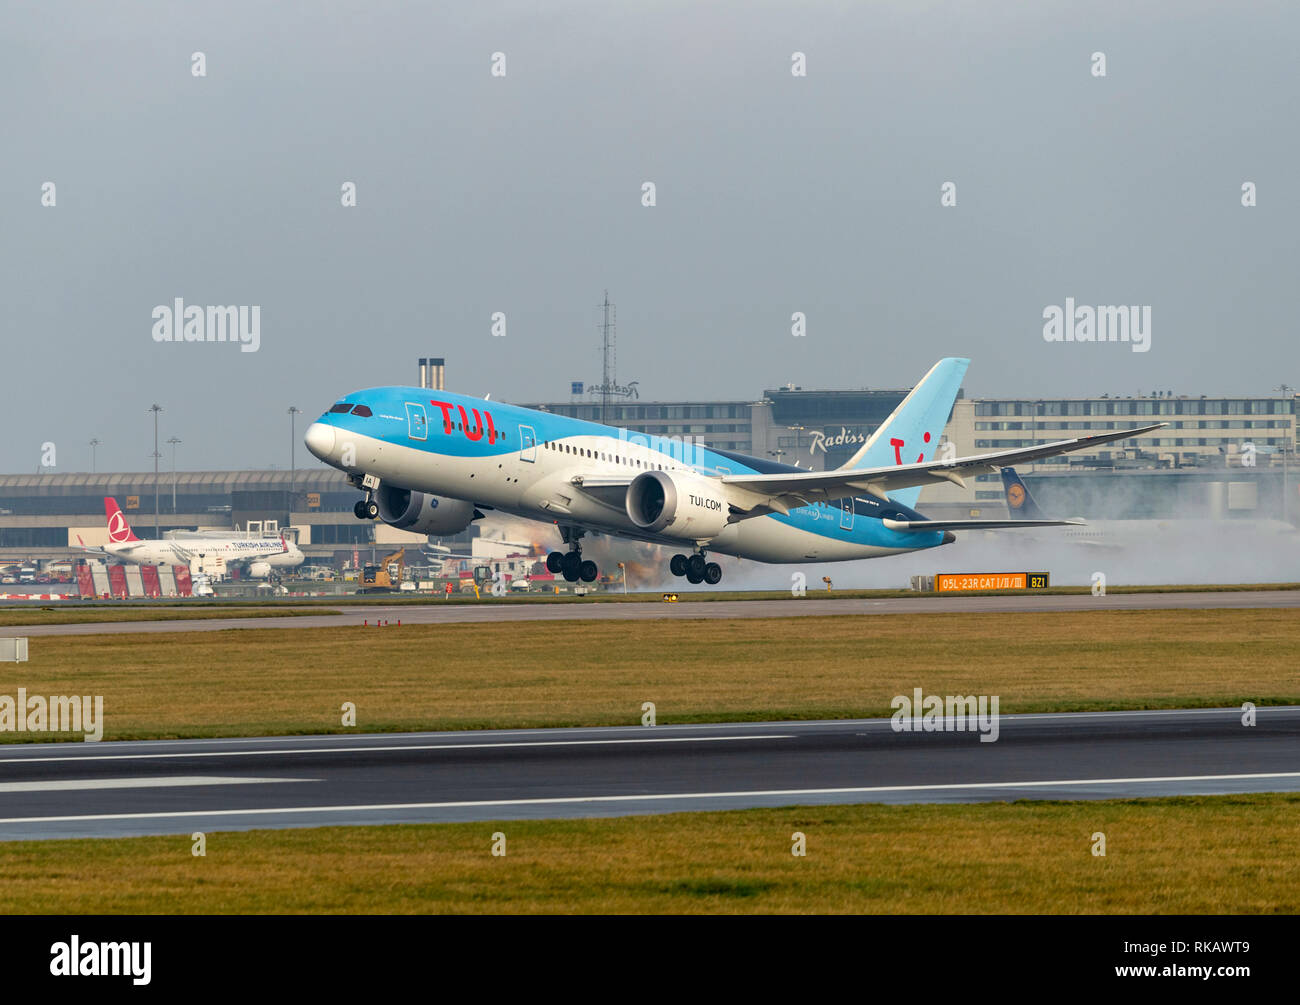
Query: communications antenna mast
[{"x": 609, "y": 354}]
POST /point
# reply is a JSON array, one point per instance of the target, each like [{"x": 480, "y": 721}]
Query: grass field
[
  {"x": 686, "y": 594},
  {"x": 273, "y": 681},
  {"x": 1204, "y": 855}
]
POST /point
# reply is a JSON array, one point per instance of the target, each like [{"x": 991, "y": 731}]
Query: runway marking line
[
  {"x": 395, "y": 747},
  {"x": 163, "y": 782},
  {"x": 801, "y": 724},
  {"x": 379, "y": 739},
  {"x": 550, "y": 801}
]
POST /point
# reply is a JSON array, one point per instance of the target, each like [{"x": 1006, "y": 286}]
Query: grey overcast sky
[{"x": 522, "y": 194}]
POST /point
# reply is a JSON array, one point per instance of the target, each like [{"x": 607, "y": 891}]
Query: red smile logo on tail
[{"x": 119, "y": 531}]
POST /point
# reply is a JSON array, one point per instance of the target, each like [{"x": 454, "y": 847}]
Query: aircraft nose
[{"x": 320, "y": 440}]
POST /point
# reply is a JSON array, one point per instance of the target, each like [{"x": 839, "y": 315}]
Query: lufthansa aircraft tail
[
  {"x": 1020, "y": 504},
  {"x": 911, "y": 434}
]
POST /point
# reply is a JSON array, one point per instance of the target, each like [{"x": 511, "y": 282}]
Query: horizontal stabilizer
[{"x": 917, "y": 525}]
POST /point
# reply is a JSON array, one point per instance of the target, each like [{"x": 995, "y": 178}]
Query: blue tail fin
[
  {"x": 911, "y": 434},
  {"x": 1020, "y": 504}
]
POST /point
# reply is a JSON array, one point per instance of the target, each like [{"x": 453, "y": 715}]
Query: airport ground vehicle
[{"x": 382, "y": 577}]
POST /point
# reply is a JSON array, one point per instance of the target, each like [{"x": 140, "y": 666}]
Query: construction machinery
[{"x": 385, "y": 576}]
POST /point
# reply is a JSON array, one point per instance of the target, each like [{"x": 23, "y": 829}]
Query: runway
[
  {"x": 181, "y": 786},
  {"x": 594, "y": 609}
]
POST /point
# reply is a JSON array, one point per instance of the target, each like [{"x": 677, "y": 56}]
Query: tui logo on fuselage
[{"x": 475, "y": 434}]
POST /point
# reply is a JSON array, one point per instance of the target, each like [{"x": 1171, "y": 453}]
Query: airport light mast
[
  {"x": 155, "y": 408},
  {"x": 294, "y": 412},
  {"x": 609, "y": 356},
  {"x": 173, "y": 441}
]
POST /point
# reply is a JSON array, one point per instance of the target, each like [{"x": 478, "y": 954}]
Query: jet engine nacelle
[
  {"x": 422, "y": 513},
  {"x": 676, "y": 505},
  {"x": 259, "y": 570}
]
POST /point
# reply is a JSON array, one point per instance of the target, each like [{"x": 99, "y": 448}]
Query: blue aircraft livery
[{"x": 432, "y": 461}]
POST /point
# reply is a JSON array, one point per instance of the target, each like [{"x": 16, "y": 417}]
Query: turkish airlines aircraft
[
  {"x": 260, "y": 554},
  {"x": 431, "y": 464}
]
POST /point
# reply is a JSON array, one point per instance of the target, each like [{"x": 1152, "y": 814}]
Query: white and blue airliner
[{"x": 431, "y": 462}]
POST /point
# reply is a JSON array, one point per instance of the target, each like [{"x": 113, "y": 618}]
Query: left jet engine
[{"x": 423, "y": 513}]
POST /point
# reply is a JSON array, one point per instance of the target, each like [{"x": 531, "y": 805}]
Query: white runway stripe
[
  {"x": 663, "y": 797},
  {"x": 163, "y": 782},
  {"x": 393, "y": 749}
]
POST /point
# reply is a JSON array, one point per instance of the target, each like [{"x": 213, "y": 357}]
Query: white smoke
[{"x": 1129, "y": 553}]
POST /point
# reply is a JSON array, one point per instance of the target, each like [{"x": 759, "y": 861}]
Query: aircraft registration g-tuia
[{"x": 432, "y": 464}]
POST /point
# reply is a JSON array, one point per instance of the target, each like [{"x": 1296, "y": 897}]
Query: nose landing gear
[{"x": 366, "y": 509}]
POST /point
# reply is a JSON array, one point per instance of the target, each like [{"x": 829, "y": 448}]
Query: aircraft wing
[
  {"x": 757, "y": 494},
  {"x": 610, "y": 490},
  {"x": 919, "y": 525},
  {"x": 86, "y": 547}
]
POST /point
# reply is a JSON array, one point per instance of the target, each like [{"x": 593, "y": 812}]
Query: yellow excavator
[{"x": 386, "y": 576}]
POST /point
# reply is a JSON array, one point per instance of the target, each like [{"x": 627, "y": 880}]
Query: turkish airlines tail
[{"x": 118, "y": 529}]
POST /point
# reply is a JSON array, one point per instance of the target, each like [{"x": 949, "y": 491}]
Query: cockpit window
[
  {"x": 363, "y": 411},
  {"x": 342, "y": 406}
]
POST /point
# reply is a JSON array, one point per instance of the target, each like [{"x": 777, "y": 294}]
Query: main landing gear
[
  {"x": 570, "y": 563},
  {"x": 366, "y": 509},
  {"x": 696, "y": 568}
]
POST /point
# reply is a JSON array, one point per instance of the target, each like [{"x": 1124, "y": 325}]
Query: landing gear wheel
[
  {"x": 695, "y": 568},
  {"x": 372, "y": 510},
  {"x": 677, "y": 565},
  {"x": 359, "y": 510},
  {"x": 555, "y": 562},
  {"x": 588, "y": 572},
  {"x": 694, "y": 577},
  {"x": 712, "y": 573},
  {"x": 572, "y": 566}
]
